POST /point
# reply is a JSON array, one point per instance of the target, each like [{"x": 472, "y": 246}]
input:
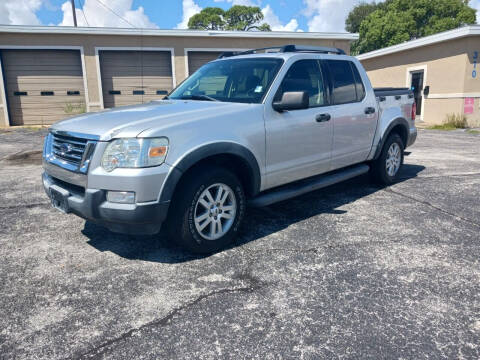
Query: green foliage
[
  {"x": 452, "y": 122},
  {"x": 397, "y": 21},
  {"x": 238, "y": 17},
  {"x": 358, "y": 14},
  {"x": 74, "y": 109},
  {"x": 210, "y": 18}
]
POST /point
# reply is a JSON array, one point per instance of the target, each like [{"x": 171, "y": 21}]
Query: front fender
[{"x": 206, "y": 151}]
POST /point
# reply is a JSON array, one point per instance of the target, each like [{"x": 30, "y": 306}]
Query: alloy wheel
[{"x": 215, "y": 211}]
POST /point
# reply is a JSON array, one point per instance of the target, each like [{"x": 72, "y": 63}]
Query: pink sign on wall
[{"x": 468, "y": 105}]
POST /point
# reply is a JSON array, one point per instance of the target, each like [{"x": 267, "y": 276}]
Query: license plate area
[{"x": 59, "y": 198}]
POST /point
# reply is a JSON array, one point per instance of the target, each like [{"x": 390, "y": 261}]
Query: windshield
[{"x": 232, "y": 80}]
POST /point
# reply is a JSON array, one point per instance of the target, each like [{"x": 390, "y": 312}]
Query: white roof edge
[
  {"x": 174, "y": 32},
  {"x": 469, "y": 30}
]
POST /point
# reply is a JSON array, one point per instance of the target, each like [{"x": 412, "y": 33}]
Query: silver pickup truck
[{"x": 248, "y": 129}]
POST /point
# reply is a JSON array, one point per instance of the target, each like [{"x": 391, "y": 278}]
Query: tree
[
  {"x": 210, "y": 18},
  {"x": 358, "y": 14},
  {"x": 403, "y": 20},
  {"x": 245, "y": 18},
  {"x": 238, "y": 17}
]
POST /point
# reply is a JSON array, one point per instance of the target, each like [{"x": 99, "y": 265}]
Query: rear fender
[{"x": 402, "y": 123}]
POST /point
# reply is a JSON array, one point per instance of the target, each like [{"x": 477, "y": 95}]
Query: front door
[
  {"x": 417, "y": 88},
  {"x": 299, "y": 142}
]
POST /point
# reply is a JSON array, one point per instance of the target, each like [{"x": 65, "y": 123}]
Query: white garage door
[
  {"x": 135, "y": 77},
  {"x": 43, "y": 86},
  {"x": 197, "y": 59}
]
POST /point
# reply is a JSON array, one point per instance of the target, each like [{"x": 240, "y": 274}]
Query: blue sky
[
  {"x": 282, "y": 15},
  {"x": 51, "y": 13}
]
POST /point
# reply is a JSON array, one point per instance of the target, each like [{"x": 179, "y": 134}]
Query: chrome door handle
[{"x": 322, "y": 117}]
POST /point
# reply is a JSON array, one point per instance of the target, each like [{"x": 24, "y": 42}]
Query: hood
[{"x": 130, "y": 121}]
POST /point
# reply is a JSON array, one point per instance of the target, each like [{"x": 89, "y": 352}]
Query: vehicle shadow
[{"x": 259, "y": 222}]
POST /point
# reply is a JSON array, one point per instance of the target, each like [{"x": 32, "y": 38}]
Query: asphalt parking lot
[{"x": 350, "y": 271}]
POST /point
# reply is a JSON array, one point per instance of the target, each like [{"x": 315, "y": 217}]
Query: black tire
[
  {"x": 379, "y": 167},
  {"x": 181, "y": 219}
]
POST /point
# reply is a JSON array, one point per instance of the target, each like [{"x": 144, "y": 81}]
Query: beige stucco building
[
  {"x": 444, "y": 64},
  {"x": 49, "y": 73}
]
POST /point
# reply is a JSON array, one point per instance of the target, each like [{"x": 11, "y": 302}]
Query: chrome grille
[{"x": 69, "y": 149}]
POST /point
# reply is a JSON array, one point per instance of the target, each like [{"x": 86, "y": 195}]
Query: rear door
[
  {"x": 299, "y": 145},
  {"x": 353, "y": 113}
]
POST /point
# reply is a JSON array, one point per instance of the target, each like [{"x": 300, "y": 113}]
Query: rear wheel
[
  {"x": 207, "y": 210},
  {"x": 386, "y": 168}
]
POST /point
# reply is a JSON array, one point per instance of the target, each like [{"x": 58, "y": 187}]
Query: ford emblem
[{"x": 65, "y": 148}]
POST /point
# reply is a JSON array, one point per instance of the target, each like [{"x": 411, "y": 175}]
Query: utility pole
[{"x": 74, "y": 13}]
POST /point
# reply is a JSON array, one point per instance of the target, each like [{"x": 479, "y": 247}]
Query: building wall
[
  {"x": 449, "y": 68},
  {"x": 472, "y": 80},
  {"x": 89, "y": 43}
]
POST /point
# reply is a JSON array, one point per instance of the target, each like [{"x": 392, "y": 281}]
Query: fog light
[{"x": 123, "y": 197}]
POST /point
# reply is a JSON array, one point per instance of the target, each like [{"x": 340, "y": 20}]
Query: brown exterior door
[
  {"x": 197, "y": 59},
  {"x": 135, "y": 77},
  {"x": 43, "y": 86}
]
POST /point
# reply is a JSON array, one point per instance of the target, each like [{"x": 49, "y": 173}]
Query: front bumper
[{"x": 91, "y": 204}]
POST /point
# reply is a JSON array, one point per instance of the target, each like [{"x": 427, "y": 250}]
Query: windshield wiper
[{"x": 198, "y": 97}]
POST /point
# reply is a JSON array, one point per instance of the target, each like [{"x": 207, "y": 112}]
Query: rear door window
[
  {"x": 343, "y": 82},
  {"x": 358, "y": 83}
]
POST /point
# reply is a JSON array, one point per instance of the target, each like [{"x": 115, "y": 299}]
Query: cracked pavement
[{"x": 350, "y": 271}]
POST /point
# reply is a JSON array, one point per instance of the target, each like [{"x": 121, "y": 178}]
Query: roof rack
[
  {"x": 287, "y": 49},
  {"x": 313, "y": 49}
]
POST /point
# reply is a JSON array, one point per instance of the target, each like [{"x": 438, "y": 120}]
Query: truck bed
[{"x": 391, "y": 91}]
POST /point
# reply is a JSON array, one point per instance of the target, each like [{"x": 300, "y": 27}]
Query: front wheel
[
  {"x": 386, "y": 168},
  {"x": 208, "y": 210}
]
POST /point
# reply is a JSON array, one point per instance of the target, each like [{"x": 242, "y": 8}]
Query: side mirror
[{"x": 294, "y": 100}]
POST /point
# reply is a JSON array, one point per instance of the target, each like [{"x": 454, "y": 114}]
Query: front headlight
[{"x": 134, "y": 153}]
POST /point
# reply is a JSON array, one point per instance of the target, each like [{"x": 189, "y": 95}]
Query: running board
[{"x": 305, "y": 186}]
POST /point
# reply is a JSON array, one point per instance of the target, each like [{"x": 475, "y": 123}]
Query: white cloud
[
  {"x": 189, "y": 8},
  {"x": 239, "y": 2},
  {"x": 272, "y": 19},
  {"x": 476, "y": 5},
  {"x": 328, "y": 15},
  {"x": 100, "y": 16},
  {"x": 19, "y": 12}
]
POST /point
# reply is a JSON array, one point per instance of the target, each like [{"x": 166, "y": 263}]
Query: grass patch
[
  {"x": 475, "y": 132},
  {"x": 441, "y": 127},
  {"x": 452, "y": 122},
  {"x": 75, "y": 109}
]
